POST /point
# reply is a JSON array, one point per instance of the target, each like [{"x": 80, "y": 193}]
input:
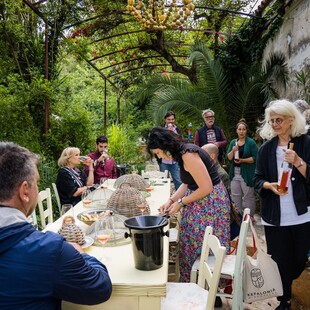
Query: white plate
[{"x": 88, "y": 242}]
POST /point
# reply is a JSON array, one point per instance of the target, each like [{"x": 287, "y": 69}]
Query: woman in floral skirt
[{"x": 202, "y": 197}]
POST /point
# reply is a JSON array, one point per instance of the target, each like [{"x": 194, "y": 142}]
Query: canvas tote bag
[{"x": 261, "y": 277}]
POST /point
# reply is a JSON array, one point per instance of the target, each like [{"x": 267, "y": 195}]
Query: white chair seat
[
  {"x": 187, "y": 296},
  {"x": 232, "y": 267},
  {"x": 201, "y": 296},
  {"x": 228, "y": 265}
]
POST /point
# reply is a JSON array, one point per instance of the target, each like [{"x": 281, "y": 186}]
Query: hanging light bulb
[{"x": 161, "y": 14}]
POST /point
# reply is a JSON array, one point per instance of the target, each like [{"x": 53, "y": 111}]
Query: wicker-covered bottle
[{"x": 72, "y": 233}]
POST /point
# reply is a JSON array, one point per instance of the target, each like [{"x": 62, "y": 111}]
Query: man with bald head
[{"x": 213, "y": 152}]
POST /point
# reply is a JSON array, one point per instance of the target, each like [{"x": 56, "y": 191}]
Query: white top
[{"x": 289, "y": 214}]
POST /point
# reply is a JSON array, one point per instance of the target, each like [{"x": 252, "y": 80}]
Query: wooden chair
[
  {"x": 45, "y": 207},
  {"x": 32, "y": 219},
  {"x": 232, "y": 266},
  {"x": 201, "y": 296},
  {"x": 57, "y": 197}
]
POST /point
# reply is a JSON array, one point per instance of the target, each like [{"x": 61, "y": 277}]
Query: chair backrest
[
  {"x": 57, "y": 197},
  {"x": 209, "y": 278},
  {"x": 45, "y": 207},
  {"x": 241, "y": 253},
  {"x": 32, "y": 219},
  {"x": 154, "y": 174}
]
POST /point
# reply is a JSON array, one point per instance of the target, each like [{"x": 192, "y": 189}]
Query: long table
[{"x": 132, "y": 289}]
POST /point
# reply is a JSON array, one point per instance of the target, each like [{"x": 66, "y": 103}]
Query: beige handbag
[{"x": 261, "y": 276}]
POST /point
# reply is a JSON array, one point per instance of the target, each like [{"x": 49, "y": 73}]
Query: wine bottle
[
  {"x": 236, "y": 154},
  {"x": 285, "y": 174}
]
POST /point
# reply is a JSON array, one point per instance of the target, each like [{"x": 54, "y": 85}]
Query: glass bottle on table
[{"x": 285, "y": 174}]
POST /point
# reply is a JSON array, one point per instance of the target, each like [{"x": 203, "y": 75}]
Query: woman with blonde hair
[
  {"x": 285, "y": 215},
  {"x": 72, "y": 182}
]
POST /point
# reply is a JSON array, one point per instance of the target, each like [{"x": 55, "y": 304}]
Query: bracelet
[
  {"x": 171, "y": 200},
  {"x": 91, "y": 170}
]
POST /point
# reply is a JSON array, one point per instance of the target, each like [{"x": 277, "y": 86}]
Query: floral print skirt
[{"x": 212, "y": 210}]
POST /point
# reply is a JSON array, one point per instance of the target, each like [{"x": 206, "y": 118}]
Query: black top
[
  {"x": 186, "y": 177},
  {"x": 67, "y": 183},
  {"x": 266, "y": 170}
]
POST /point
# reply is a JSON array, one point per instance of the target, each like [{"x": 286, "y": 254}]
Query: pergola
[{"x": 119, "y": 49}]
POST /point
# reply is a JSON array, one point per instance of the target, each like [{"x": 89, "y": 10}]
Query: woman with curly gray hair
[{"x": 285, "y": 216}]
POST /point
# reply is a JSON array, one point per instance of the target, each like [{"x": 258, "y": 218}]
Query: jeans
[
  {"x": 174, "y": 171},
  {"x": 240, "y": 192}
]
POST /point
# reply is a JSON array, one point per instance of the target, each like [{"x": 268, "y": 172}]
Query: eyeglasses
[
  {"x": 209, "y": 117},
  {"x": 277, "y": 120}
]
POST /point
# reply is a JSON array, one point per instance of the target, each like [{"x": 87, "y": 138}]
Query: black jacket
[{"x": 266, "y": 170}]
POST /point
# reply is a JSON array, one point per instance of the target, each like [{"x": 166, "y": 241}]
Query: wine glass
[
  {"x": 134, "y": 169},
  {"x": 87, "y": 198},
  {"x": 102, "y": 232},
  {"x": 104, "y": 183},
  {"x": 67, "y": 213},
  {"x": 67, "y": 208},
  {"x": 142, "y": 208}
]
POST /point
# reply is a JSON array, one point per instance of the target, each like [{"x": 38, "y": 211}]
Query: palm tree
[{"x": 247, "y": 98}]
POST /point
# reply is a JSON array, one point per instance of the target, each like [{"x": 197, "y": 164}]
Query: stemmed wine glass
[
  {"x": 87, "y": 197},
  {"x": 102, "y": 232},
  {"x": 67, "y": 213},
  {"x": 134, "y": 169},
  {"x": 142, "y": 208},
  {"x": 67, "y": 208},
  {"x": 104, "y": 183}
]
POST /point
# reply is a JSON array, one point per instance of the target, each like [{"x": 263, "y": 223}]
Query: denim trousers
[{"x": 174, "y": 171}]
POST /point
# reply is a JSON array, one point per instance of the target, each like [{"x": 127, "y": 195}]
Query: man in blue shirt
[{"x": 38, "y": 270}]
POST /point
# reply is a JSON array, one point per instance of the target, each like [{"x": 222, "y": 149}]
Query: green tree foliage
[
  {"x": 244, "y": 100},
  {"x": 123, "y": 146},
  {"x": 16, "y": 120}
]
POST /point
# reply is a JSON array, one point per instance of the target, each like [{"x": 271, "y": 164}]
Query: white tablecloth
[{"x": 132, "y": 289}]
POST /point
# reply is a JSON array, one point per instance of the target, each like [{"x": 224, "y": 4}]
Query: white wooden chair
[
  {"x": 32, "y": 219},
  {"x": 57, "y": 197},
  {"x": 154, "y": 174},
  {"x": 45, "y": 207},
  {"x": 232, "y": 266},
  {"x": 201, "y": 296}
]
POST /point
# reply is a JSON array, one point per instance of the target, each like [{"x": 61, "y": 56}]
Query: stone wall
[{"x": 293, "y": 40}]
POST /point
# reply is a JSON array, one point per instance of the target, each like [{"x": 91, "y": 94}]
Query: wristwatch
[
  {"x": 301, "y": 164},
  {"x": 181, "y": 202}
]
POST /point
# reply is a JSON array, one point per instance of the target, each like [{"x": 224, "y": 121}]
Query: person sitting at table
[
  {"x": 39, "y": 269},
  {"x": 202, "y": 195},
  {"x": 72, "y": 182},
  {"x": 104, "y": 165}
]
